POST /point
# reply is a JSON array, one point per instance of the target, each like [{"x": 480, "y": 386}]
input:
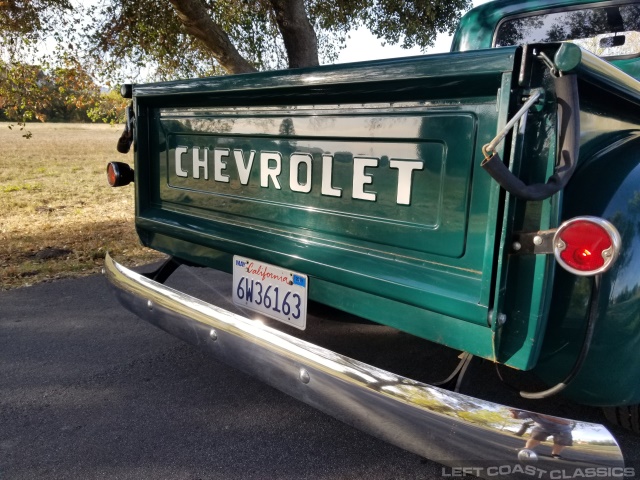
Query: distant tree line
[
  {"x": 146, "y": 40},
  {"x": 60, "y": 94}
]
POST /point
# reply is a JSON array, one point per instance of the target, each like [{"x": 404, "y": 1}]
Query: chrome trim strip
[{"x": 447, "y": 427}]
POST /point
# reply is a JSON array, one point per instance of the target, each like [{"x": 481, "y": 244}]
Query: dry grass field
[{"x": 58, "y": 215}]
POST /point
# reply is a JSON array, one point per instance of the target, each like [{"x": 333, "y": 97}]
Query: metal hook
[
  {"x": 552, "y": 66},
  {"x": 491, "y": 146}
]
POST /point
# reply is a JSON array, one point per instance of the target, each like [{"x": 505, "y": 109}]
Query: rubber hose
[{"x": 586, "y": 345}]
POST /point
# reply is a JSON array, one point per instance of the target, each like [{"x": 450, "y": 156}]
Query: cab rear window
[{"x": 612, "y": 31}]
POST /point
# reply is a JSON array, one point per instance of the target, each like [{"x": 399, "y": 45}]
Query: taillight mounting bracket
[
  {"x": 533, "y": 243},
  {"x": 585, "y": 256}
]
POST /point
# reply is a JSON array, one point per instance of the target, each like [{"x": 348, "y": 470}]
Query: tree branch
[
  {"x": 300, "y": 39},
  {"x": 198, "y": 22}
]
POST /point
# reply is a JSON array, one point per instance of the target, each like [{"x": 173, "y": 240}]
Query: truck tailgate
[{"x": 364, "y": 177}]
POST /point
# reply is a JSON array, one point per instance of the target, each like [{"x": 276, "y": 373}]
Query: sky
[{"x": 363, "y": 45}]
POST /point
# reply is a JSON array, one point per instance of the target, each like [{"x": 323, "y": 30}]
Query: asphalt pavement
[{"x": 87, "y": 390}]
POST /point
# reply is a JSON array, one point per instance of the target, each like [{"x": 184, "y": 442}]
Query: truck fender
[{"x": 606, "y": 185}]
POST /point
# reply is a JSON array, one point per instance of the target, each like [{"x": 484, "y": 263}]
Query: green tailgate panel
[
  {"x": 399, "y": 195},
  {"x": 365, "y": 177}
]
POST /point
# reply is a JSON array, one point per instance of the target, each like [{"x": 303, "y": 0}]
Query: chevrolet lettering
[{"x": 295, "y": 171}]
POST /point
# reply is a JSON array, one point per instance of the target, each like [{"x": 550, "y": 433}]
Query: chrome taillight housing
[{"x": 586, "y": 245}]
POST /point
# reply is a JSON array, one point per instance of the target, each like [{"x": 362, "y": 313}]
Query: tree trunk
[
  {"x": 300, "y": 39},
  {"x": 198, "y": 22}
]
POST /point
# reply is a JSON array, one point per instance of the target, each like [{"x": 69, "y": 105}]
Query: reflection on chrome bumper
[{"x": 449, "y": 428}]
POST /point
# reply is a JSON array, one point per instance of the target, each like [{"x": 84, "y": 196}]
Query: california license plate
[{"x": 273, "y": 291}]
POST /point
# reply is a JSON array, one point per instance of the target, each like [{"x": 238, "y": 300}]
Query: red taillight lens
[
  {"x": 112, "y": 176},
  {"x": 119, "y": 174},
  {"x": 586, "y": 245}
]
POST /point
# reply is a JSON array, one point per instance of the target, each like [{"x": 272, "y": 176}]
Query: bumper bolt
[
  {"x": 304, "y": 376},
  {"x": 213, "y": 335}
]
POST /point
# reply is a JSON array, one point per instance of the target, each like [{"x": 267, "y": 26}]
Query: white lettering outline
[
  {"x": 220, "y": 165},
  {"x": 405, "y": 178},
  {"x": 266, "y": 172},
  {"x": 181, "y": 172},
  {"x": 197, "y": 163},
  {"x": 295, "y": 160},
  {"x": 244, "y": 170},
  {"x": 362, "y": 178},
  {"x": 327, "y": 178}
]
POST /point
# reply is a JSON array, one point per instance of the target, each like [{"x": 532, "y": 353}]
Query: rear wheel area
[{"x": 626, "y": 416}]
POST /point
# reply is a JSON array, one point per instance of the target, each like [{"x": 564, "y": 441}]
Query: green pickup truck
[{"x": 487, "y": 200}]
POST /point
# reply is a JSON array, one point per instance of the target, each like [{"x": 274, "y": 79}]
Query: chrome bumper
[{"x": 468, "y": 435}]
